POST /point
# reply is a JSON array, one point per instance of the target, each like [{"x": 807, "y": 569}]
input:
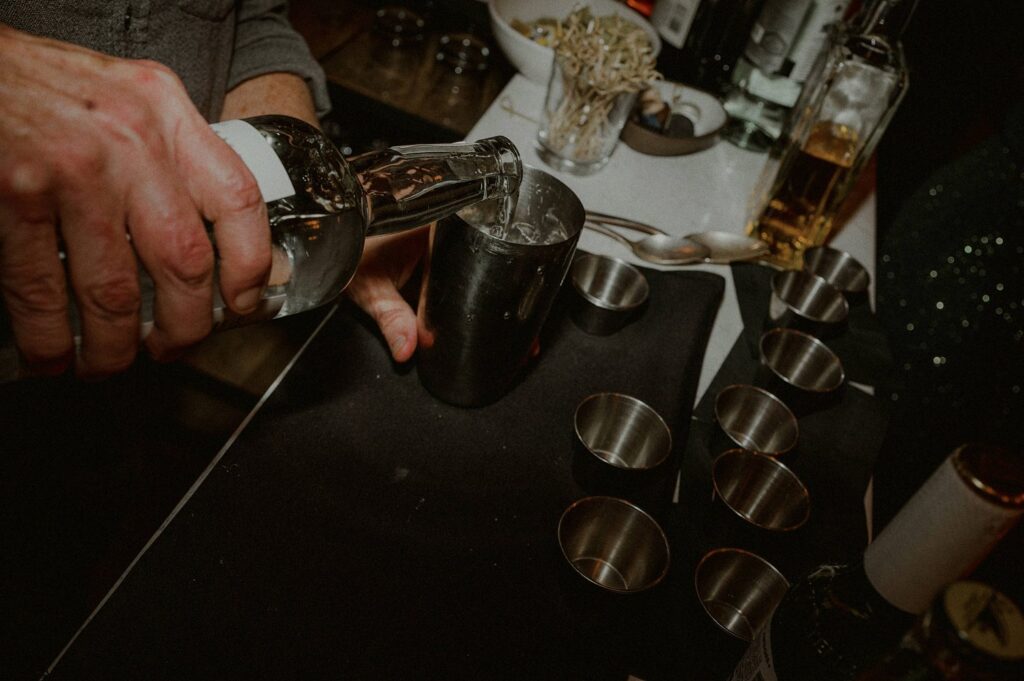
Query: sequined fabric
[{"x": 951, "y": 295}]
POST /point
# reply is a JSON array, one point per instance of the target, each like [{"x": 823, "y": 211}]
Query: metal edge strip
[{"x": 191, "y": 491}]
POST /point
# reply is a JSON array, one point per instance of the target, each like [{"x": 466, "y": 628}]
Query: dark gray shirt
[{"x": 213, "y": 45}]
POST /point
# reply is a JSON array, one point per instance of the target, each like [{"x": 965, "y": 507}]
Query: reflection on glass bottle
[{"x": 833, "y": 132}]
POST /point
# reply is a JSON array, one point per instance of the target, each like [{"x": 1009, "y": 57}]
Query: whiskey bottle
[
  {"x": 322, "y": 206},
  {"x": 838, "y": 621},
  {"x": 972, "y": 632}
]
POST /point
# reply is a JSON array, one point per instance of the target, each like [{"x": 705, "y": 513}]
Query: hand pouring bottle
[{"x": 322, "y": 206}]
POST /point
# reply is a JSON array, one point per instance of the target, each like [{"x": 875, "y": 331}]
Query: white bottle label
[
  {"x": 258, "y": 157},
  {"x": 772, "y": 36},
  {"x": 757, "y": 664},
  {"x": 935, "y": 539},
  {"x": 811, "y": 39},
  {"x": 672, "y": 19}
]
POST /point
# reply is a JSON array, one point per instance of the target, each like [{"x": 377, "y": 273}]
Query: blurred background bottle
[
  {"x": 783, "y": 46},
  {"x": 856, "y": 87},
  {"x": 702, "y": 39},
  {"x": 645, "y": 7},
  {"x": 841, "y": 620},
  {"x": 971, "y": 633}
]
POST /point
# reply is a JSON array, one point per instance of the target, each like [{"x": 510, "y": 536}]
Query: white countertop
[{"x": 708, "y": 190}]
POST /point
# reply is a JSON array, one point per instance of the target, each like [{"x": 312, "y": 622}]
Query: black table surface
[{"x": 358, "y": 528}]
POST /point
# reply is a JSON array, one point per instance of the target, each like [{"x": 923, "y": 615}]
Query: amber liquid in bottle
[{"x": 803, "y": 201}]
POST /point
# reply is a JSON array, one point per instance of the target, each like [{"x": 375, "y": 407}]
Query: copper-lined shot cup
[
  {"x": 799, "y": 369},
  {"x": 609, "y": 293},
  {"x": 840, "y": 269},
  {"x": 760, "y": 490},
  {"x": 613, "y": 544},
  {"x": 622, "y": 444},
  {"x": 804, "y": 301},
  {"x": 754, "y": 419},
  {"x": 738, "y": 590}
]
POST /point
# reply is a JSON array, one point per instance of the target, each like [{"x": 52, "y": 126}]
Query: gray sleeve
[{"x": 266, "y": 43}]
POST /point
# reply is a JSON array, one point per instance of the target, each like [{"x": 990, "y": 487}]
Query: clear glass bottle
[
  {"x": 836, "y": 124},
  {"x": 840, "y": 620},
  {"x": 322, "y": 206},
  {"x": 972, "y": 632},
  {"x": 769, "y": 75}
]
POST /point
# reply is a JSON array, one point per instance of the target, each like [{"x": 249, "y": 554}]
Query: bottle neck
[
  {"x": 410, "y": 186},
  {"x": 945, "y": 529}
]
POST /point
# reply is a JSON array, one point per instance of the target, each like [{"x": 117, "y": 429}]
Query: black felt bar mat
[{"x": 359, "y": 529}]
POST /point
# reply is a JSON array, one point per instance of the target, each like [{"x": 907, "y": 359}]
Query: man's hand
[
  {"x": 94, "y": 149},
  {"x": 387, "y": 264}
]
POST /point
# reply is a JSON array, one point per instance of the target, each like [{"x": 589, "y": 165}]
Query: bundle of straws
[{"x": 600, "y": 58}]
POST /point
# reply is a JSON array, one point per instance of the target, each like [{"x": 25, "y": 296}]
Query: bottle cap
[{"x": 975, "y": 632}]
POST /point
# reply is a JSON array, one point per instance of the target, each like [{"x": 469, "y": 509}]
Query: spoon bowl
[
  {"x": 661, "y": 249},
  {"x": 727, "y": 247}
]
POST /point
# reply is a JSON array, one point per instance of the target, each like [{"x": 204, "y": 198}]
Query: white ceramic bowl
[{"x": 532, "y": 59}]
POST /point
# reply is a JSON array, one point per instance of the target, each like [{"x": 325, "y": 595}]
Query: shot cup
[
  {"x": 806, "y": 302},
  {"x": 799, "y": 369},
  {"x": 609, "y": 293},
  {"x": 488, "y": 286},
  {"x": 760, "y": 490},
  {"x": 753, "y": 419},
  {"x": 613, "y": 545},
  {"x": 738, "y": 590},
  {"x": 840, "y": 269},
  {"x": 622, "y": 449}
]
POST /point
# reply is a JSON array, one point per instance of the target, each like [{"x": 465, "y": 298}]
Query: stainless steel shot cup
[
  {"x": 486, "y": 294},
  {"x": 622, "y": 431},
  {"x": 799, "y": 369},
  {"x": 609, "y": 292},
  {"x": 760, "y": 490},
  {"x": 613, "y": 544},
  {"x": 621, "y": 446},
  {"x": 755, "y": 419},
  {"x": 739, "y": 590},
  {"x": 838, "y": 268},
  {"x": 806, "y": 302}
]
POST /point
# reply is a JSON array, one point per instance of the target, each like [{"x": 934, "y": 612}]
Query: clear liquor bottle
[
  {"x": 322, "y": 206},
  {"x": 838, "y": 621}
]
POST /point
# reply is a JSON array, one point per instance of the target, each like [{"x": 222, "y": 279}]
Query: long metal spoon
[
  {"x": 723, "y": 247},
  {"x": 660, "y": 249}
]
